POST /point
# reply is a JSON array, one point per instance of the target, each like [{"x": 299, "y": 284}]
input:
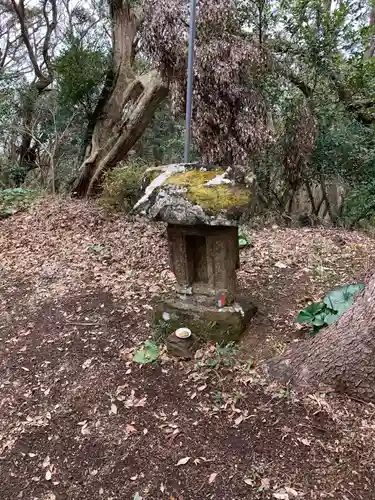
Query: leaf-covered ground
[{"x": 80, "y": 420}]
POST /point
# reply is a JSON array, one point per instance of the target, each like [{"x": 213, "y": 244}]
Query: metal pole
[{"x": 190, "y": 79}]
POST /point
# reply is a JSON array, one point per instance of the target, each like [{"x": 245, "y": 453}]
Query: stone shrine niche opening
[
  {"x": 196, "y": 254},
  {"x": 204, "y": 260}
]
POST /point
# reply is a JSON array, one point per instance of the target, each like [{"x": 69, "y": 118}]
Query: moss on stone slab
[
  {"x": 207, "y": 323},
  {"x": 205, "y": 330},
  {"x": 193, "y": 178},
  {"x": 213, "y": 198},
  {"x": 218, "y": 197}
]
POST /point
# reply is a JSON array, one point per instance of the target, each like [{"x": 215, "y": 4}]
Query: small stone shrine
[{"x": 202, "y": 206}]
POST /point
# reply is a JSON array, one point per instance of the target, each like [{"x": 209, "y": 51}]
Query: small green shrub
[
  {"x": 14, "y": 200},
  {"x": 11, "y": 173},
  {"x": 360, "y": 205},
  {"x": 122, "y": 186},
  {"x": 334, "y": 304},
  {"x": 95, "y": 247},
  {"x": 161, "y": 330},
  {"x": 223, "y": 355}
]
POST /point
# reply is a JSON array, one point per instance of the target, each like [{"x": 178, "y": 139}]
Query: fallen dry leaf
[
  {"x": 265, "y": 483},
  {"x": 183, "y": 461},
  {"x": 280, "y": 265},
  {"x": 248, "y": 481},
  {"x": 212, "y": 477},
  {"x": 293, "y": 493},
  {"x": 285, "y": 493},
  {"x": 87, "y": 363},
  {"x": 85, "y": 430},
  {"x": 140, "y": 402},
  {"x": 305, "y": 441},
  {"x": 239, "y": 420}
]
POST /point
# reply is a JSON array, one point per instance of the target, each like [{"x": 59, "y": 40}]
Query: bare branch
[
  {"x": 296, "y": 80},
  {"x": 4, "y": 54},
  {"x": 51, "y": 26},
  {"x": 19, "y": 9},
  {"x": 344, "y": 94}
]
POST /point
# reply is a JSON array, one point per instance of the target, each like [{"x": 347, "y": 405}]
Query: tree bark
[
  {"x": 341, "y": 357},
  {"x": 142, "y": 97},
  {"x": 125, "y": 109},
  {"x": 27, "y": 152},
  {"x": 371, "y": 49}
]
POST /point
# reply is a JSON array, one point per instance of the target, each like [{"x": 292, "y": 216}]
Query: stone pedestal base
[
  {"x": 182, "y": 348},
  {"x": 206, "y": 322}
]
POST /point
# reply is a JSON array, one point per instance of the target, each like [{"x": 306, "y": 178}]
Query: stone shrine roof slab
[{"x": 193, "y": 194}]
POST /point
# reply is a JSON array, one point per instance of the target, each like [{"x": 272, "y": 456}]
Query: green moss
[
  {"x": 204, "y": 327},
  {"x": 193, "y": 178},
  {"x": 218, "y": 197},
  {"x": 214, "y": 198}
]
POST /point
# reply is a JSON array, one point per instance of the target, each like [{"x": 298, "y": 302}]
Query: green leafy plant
[
  {"x": 147, "y": 354},
  {"x": 329, "y": 310},
  {"x": 80, "y": 72},
  {"x": 11, "y": 173},
  {"x": 223, "y": 355},
  {"x": 243, "y": 239},
  {"x": 218, "y": 398},
  {"x": 161, "y": 330},
  {"x": 359, "y": 207},
  {"x": 95, "y": 247},
  {"x": 14, "y": 200},
  {"x": 122, "y": 186}
]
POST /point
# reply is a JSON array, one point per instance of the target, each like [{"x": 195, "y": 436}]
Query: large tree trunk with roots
[
  {"x": 341, "y": 357},
  {"x": 126, "y": 108}
]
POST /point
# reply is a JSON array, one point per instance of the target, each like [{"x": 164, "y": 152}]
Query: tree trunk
[
  {"x": 341, "y": 357},
  {"x": 371, "y": 49},
  {"x": 27, "y": 153},
  {"x": 125, "y": 109}
]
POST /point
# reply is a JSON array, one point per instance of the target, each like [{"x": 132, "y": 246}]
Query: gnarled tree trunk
[
  {"x": 127, "y": 105},
  {"x": 342, "y": 356}
]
